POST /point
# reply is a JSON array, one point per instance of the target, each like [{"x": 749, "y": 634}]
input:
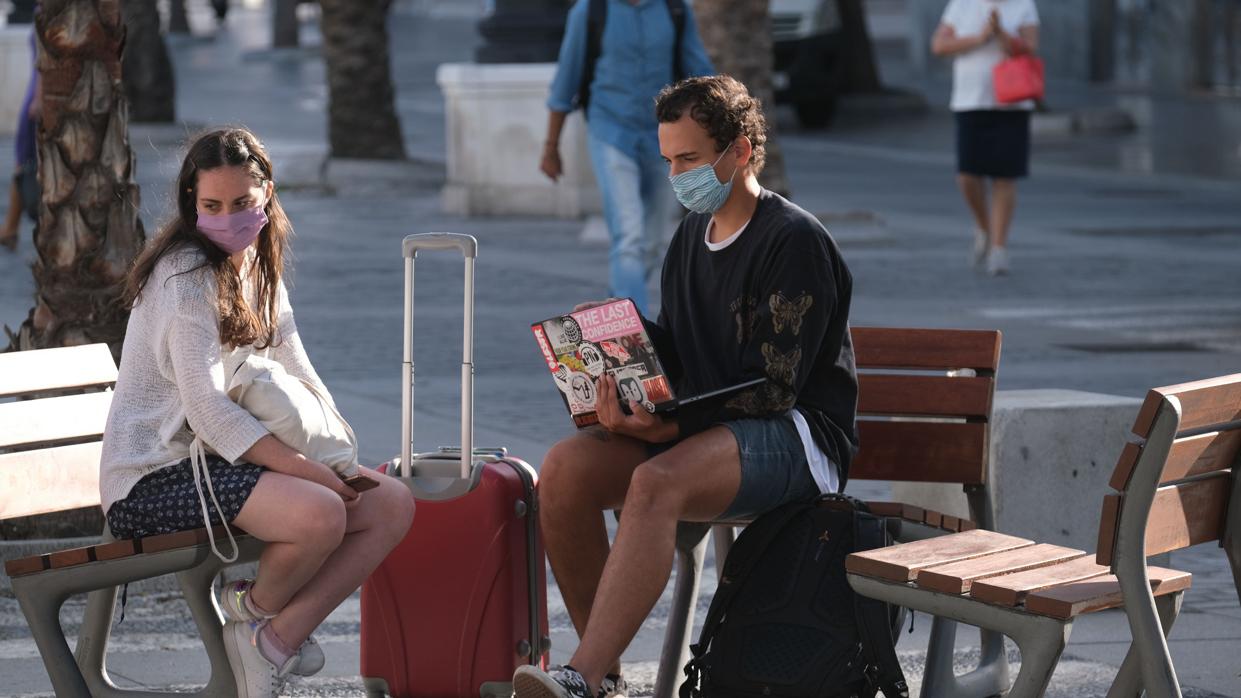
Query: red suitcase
[{"x": 462, "y": 601}]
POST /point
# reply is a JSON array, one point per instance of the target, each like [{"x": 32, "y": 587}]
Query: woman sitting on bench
[{"x": 205, "y": 294}]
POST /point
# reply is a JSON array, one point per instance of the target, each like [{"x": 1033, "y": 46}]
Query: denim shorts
[{"x": 773, "y": 466}]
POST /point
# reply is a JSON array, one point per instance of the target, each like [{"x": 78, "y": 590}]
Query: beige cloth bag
[{"x": 294, "y": 411}]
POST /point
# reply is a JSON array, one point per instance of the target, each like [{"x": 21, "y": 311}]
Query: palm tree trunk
[
  {"x": 737, "y": 35},
  {"x": 88, "y": 232},
  {"x": 362, "y": 120},
  {"x": 149, "y": 83},
  {"x": 861, "y": 72}
]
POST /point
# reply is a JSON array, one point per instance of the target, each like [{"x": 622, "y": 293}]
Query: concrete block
[
  {"x": 1052, "y": 453},
  {"x": 496, "y": 125},
  {"x": 14, "y": 74}
]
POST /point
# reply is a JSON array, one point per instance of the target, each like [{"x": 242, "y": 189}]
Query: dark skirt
[
  {"x": 993, "y": 143},
  {"x": 166, "y": 500}
]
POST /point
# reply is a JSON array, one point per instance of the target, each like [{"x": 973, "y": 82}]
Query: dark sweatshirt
[{"x": 774, "y": 304}]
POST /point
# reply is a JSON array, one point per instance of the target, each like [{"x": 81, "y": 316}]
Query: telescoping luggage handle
[{"x": 410, "y": 247}]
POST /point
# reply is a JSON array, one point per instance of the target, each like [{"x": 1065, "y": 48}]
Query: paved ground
[{"x": 1125, "y": 276}]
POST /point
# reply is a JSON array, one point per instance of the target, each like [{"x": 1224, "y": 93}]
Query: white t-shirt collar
[{"x": 717, "y": 246}]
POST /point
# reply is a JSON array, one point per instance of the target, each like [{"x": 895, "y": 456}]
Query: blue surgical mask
[{"x": 700, "y": 190}]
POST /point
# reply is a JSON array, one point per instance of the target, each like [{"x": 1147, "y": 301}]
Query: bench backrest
[
  {"x": 924, "y": 403},
  {"x": 53, "y": 406},
  {"x": 1175, "y": 479}
]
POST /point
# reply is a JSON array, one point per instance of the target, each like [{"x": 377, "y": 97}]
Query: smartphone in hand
[{"x": 361, "y": 483}]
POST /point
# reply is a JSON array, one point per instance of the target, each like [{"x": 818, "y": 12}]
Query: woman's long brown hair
[{"x": 240, "y": 325}]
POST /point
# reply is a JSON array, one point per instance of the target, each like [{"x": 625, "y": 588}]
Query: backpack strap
[
  {"x": 596, "y": 18},
  {"x": 873, "y": 621},
  {"x": 676, "y": 9}
]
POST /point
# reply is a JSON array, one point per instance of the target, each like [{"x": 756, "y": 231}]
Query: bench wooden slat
[
  {"x": 905, "y": 348},
  {"x": 50, "y": 420},
  {"x": 1181, "y": 515},
  {"x": 1011, "y": 589},
  {"x": 51, "y": 479},
  {"x": 1097, "y": 593},
  {"x": 958, "y": 577},
  {"x": 116, "y": 549},
  {"x": 26, "y": 565},
  {"x": 902, "y": 563},
  {"x": 1204, "y": 403},
  {"x": 921, "y": 452},
  {"x": 1189, "y": 456},
  {"x": 29, "y": 372},
  {"x": 71, "y": 557},
  {"x": 935, "y": 396}
]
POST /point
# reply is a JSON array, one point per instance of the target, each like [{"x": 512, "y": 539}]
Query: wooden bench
[
  {"x": 50, "y": 431},
  {"x": 1176, "y": 485},
  {"x": 924, "y": 415}
]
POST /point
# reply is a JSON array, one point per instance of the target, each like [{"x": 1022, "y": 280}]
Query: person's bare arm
[
  {"x": 275, "y": 455},
  {"x": 550, "y": 163},
  {"x": 946, "y": 43}
]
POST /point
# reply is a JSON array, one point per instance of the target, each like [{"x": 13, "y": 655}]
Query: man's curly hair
[{"x": 721, "y": 105}]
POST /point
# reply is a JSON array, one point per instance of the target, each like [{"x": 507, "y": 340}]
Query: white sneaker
[
  {"x": 255, "y": 676},
  {"x": 613, "y": 686},
  {"x": 233, "y": 604},
  {"x": 997, "y": 261},
  {"x": 982, "y": 243}
]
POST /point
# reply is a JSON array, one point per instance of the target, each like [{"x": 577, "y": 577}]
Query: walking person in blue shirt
[{"x": 615, "y": 58}]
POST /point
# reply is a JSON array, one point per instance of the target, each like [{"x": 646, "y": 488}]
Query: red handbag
[{"x": 1018, "y": 78}]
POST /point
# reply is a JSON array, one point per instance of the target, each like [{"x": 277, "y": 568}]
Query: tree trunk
[
  {"x": 861, "y": 73},
  {"x": 284, "y": 25},
  {"x": 178, "y": 19},
  {"x": 362, "y": 120},
  {"x": 149, "y": 83},
  {"x": 737, "y": 35},
  {"x": 89, "y": 231}
]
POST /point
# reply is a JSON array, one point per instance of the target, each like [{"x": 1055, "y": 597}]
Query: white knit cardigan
[{"x": 172, "y": 376}]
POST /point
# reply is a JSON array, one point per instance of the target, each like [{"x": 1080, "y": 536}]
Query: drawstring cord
[{"x": 198, "y": 464}]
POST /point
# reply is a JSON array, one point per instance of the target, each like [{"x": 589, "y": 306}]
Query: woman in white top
[
  {"x": 206, "y": 293},
  {"x": 993, "y": 140}
]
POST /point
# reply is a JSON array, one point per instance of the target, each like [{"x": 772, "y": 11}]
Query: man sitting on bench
[{"x": 752, "y": 287}]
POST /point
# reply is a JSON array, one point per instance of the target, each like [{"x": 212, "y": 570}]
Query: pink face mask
[{"x": 233, "y": 232}]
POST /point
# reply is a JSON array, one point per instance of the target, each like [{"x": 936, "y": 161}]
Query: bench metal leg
[
  {"x": 1040, "y": 639},
  {"x": 691, "y": 551},
  {"x": 938, "y": 679},
  {"x": 42, "y": 609},
  {"x": 92, "y": 648},
  {"x": 196, "y": 587},
  {"x": 1128, "y": 683}
]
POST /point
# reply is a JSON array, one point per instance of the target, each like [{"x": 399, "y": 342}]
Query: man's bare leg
[
  {"x": 582, "y": 478},
  {"x": 694, "y": 481}
]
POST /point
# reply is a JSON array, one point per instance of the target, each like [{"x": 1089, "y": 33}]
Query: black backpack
[
  {"x": 785, "y": 623},
  {"x": 596, "y": 17}
]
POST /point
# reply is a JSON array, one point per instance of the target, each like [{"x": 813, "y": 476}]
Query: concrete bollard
[
  {"x": 1052, "y": 453},
  {"x": 496, "y": 124}
]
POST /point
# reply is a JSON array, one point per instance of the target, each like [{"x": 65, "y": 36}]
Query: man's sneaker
[
  {"x": 254, "y": 675},
  {"x": 613, "y": 686},
  {"x": 997, "y": 261},
  {"x": 557, "y": 682},
  {"x": 233, "y": 603},
  {"x": 982, "y": 243}
]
